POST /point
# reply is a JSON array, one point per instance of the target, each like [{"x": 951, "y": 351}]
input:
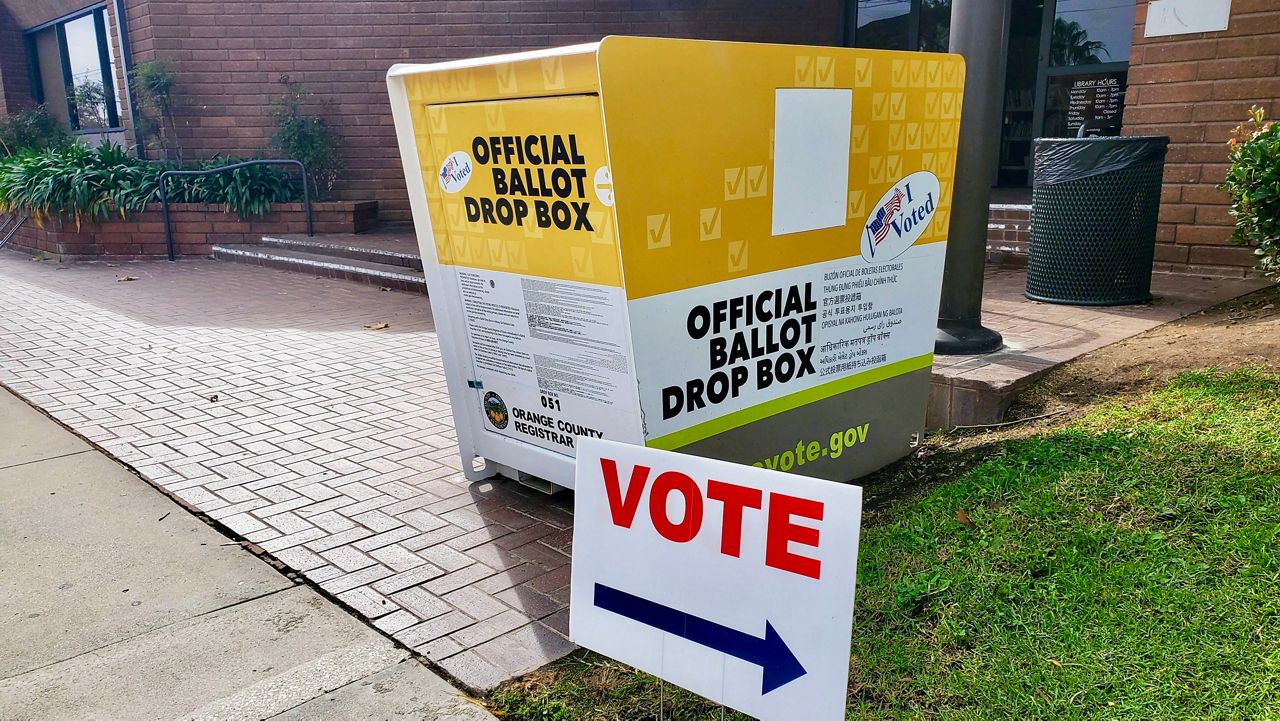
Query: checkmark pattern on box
[
  {"x": 553, "y": 73},
  {"x": 737, "y": 256},
  {"x": 709, "y": 224},
  {"x": 658, "y": 231},
  {"x": 859, "y": 139},
  {"x": 857, "y": 204},
  {"x": 494, "y": 119},
  {"x": 916, "y": 70},
  {"x": 862, "y": 73},
  {"x": 900, "y": 72},
  {"x": 497, "y": 253},
  {"x": 898, "y": 137},
  {"x": 602, "y": 225},
  {"x": 508, "y": 83},
  {"x": 903, "y": 107},
  {"x": 583, "y": 266},
  {"x": 735, "y": 185},
  {"x": 569, "y": 74},
  {"x": 757, "y": 181},
  {"x": 458, "y": 248},
  {"x": 815, "y": 71},
  {"x": 517, "y": 255}
]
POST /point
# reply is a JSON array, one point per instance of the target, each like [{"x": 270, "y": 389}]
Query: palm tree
[{"x": 1071, "y": 45}]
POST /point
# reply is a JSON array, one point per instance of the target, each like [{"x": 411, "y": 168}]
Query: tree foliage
[{"x": 305, "y": 137}]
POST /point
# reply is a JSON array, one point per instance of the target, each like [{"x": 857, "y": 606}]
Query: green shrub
[
  {"x": 244, "y": 191},
  {"x": 1253, "y": 181},
  {"x": 152, "y": 84},
  {"x": 92, "y": 184},
  {"x": 307, "y": 138},
  {"x": 32, "y": 129}
]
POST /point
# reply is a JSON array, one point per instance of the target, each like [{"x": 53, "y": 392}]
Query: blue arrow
[{"x": 769, "y": 653}]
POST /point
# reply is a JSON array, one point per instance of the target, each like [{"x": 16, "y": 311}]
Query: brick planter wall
[
  {"x": 196, "y": 227},
  {"x": 1008, "y": 234}
]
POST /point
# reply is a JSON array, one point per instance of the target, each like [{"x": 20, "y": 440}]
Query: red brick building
[{"x": 229, "y": 58}]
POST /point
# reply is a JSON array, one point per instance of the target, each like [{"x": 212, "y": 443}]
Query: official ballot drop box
[{"x": 730, "y": 249}]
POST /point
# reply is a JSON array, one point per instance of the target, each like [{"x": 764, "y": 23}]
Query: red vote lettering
[
  {"x": 689, "y": 526},
  {"x": 782, "y": 532},
  {"x": 624, "y": 511},
  {"x": 735, "y": 498}
]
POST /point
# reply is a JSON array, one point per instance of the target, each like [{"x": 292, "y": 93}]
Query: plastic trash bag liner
[{"x": 1059, "y": 160}]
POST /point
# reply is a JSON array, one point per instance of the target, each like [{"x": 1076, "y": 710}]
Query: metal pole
[
  {"x": 164, "y": 212},
  {"x": 979, "y": 32},
  {"x": 306, "y": 198}
]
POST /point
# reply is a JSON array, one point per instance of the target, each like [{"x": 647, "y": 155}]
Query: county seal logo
[{"x": 495, "y": 410}]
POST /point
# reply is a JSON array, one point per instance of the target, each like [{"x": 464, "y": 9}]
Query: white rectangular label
[
  {"x": 734, "y": 582},
  {"x": 1182, "y": 17},
  {"x": 550, "y": 358},
  {"x": 810, "y": 158},
  {"x": 775, "y": 334}
]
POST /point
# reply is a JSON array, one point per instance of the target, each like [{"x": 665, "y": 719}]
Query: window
[
  {"x": 902, "y": 24},
  {"x": 1090, "y": 32},
  {"x": 1086, "y": 72},
  {"x": 73, "y": 70},
  {"x": 882, "y": 24}
]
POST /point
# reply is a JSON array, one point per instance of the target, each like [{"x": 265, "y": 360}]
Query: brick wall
[
  {"x": 230, "y": 56},
  {"x": 1195, "y": 89},
  {"x": 15, "y": 90},
  {"x": 1008, "y": 234}
]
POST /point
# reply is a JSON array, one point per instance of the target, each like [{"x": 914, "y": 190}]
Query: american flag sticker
[{"x": 901, "y": 217}]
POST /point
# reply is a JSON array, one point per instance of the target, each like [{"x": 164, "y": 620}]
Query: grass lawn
[{"x": 1124, "y": 566}]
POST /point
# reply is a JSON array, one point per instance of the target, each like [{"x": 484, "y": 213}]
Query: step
[
  {"x": 387, "y": 248},
  {"x": 327, "y": 266}
]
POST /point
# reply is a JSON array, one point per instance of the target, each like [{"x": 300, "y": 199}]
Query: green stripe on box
[{"x": 715, "y": 426}]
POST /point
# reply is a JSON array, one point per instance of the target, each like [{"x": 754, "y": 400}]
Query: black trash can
[{"x": 1094, "y": 206}]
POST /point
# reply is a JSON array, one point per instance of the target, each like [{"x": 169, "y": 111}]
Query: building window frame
[
  {"x": 851, "y": 24},
  {"x": 58, "y": 26},
  {"x": 1046, "y": 70},
  {"x": 850, "y": 35}
]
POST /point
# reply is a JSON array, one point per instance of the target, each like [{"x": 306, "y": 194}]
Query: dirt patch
[{"x": 1238, "y": 333}]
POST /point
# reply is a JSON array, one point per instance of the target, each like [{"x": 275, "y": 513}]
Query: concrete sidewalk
[
  {"x": 117, "y": 603},
  {"x": 258, "y": 397}
]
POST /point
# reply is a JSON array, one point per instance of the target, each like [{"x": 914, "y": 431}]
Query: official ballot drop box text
[{"x": 730, "y": 249}]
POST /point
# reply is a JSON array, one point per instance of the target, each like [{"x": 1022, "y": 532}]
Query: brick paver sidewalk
[{"x": 258, "y": 397}]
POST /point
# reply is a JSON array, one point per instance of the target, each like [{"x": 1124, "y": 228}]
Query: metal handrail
[
  {"x": 164, "y": 199},
  {"x": 8, "y": 231}
]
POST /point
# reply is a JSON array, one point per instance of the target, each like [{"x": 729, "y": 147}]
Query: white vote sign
[{"x": 734, "y": 582}]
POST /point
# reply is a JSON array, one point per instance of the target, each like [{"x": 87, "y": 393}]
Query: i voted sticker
[{"x": 455, "y": 172}]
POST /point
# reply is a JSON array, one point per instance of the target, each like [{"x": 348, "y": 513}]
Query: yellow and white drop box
[{"x": 730, "y": 249}]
